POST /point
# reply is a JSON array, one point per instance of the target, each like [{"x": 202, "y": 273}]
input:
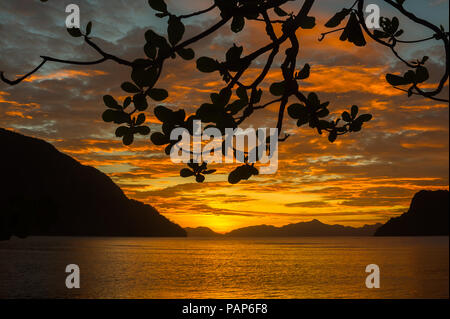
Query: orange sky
[{"x": 362, "y": 178}]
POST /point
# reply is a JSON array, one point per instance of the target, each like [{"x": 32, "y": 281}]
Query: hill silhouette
[
  {"x": 427, "y": 216},
  {"x": 201, "y": 232},
  {"x": 45, "y": 192},
  {"x": 311, "y": 228}
]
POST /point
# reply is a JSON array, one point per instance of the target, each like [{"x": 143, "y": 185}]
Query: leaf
[
  {"x": 337, "y": 18},
  {"x": 89, "y": 28},
  {"x": 207, "y": 65},
  {"x": 277, "y": 88},
  {"x": 75, "y": 32},
  {"x": 332, "y": 136},
  {"x": 128, "y": 139},
  {"x": 159, "y": 138},
  {"x": 140, "y": 119},
  {"x": 150, "y": 50},
  {"x": 354, "y": 111},
  {"x": 186, "y": 172},
  {"x": 280, "y": 12},
  {"x": 140, "y": 102},
  {"x": 304, "y": 73},
  {"x": 158, "y": 94},
  {"x": 380, "y": 34},
  {"x": 394, "y": 25},
  {"x": 158, "y": 5},
  {"x": 175, "y": 30},
  {"x": 130, "y": 87},
  {"x": 421, "y": 74},
  {"x": 143, "y": 130},
  {"x": 121, "y": 131},
  {"x": 398, "y": 33},
  {"x": 237, "y": 24},
  {"x": 200, "y": 178},
  {"x": 109, "y": 115},
  {"x": 242, "y": 172},
  {"x": 353, "y": 32},
  {"x": 396, "y": 80},
  {"x": 211, "y": 171},
  {"x": 308, "y": 23},
  {"x": 365, "y": 118},
  {"x": 302, "y": 121},
  {"x": 323, "y": 112},
  {"x": 241, "y": 92},
  {"x": 236, "y": 106},
  {"x": 144, "y": 77},
  {"x": 163, "y": 113},
  {"x": 297, "y": 111},
  {"x": 186, "y": 54},
  {"x": 126, "y": 102},
  {"x": 111, "y": 102}
]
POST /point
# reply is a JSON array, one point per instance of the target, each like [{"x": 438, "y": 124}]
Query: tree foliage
[{"x": 236, "y": 101}]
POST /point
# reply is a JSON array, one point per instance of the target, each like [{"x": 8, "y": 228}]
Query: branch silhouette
[{"x": 224, "y": 113}]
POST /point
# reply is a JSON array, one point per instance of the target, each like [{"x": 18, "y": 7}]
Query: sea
[{"x": 172, "y": 268}]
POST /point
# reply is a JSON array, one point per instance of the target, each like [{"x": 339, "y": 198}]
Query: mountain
[
  {"x": 312, "y": 228},
  {"x": 45, "y": 192},
  {"x": 201, "y": 232},
  {"x": 427, "y": 216}
]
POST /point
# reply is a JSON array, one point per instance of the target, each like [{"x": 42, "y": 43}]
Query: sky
[{"x": 363, "y": 178}]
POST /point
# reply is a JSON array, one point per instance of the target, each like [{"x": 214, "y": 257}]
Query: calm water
[{"x": 225, "y": 268}]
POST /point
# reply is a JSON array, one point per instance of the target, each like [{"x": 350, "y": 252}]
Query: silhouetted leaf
[
  {"x": 297, "y": 111},
  {"x": 126, "y": 102},
  {"x": 75, "y": 32},
  {"x": 143, "y": 130},
  {"x": 111, "y": 102},
  {"x": 108, "y": 115},
  {"x": 353, "y": 32},
  {"x": 237, "y": 24},
  {"x": 380, "y": 34},
  {"x": 277, "y": 89},
  {"x": 144, "y": 77},
  {"x": 354, "y": 111},
  {"x": 159, "y": 138},
  {"x": 421, "y": 74},
  {"x": 140, "y": 102},
  {"x": 397, "y": 80},
  {"x": 140, "y": 119},
  {"x": 365, "y": 117},
  {"x": 186, "y": 172},
  {"x": 158, "y": 94},
  {"x": 175, "y": 30},
  {"x": 337, "y": 18},
  {"x": 128, "y": 139},
  {"x": 130, "y": 87},
  {"x": 163, "y": 113},
  {"x": 207, "y": 65},
  {"x": 187, "y": 54},
  {"x": 89, "y": 28},
  {"x": 199, "y": 178},
  {"x": 308, "y": 23},
  {"x": 150, "y": 50},
  {"x": 332, "y": 136},
  {"x": 158, "y": 5},
  {"x": 121, "y": 131},
  {"x": 304, "y": 73}
]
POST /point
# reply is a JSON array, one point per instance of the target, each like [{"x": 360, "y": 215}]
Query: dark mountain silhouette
[
  {"x": 427, "y": 216},
  {"x": 201, "y": 232},
  {"x": 45, "y": 192},
  {"x": 312, "y": 228}
]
